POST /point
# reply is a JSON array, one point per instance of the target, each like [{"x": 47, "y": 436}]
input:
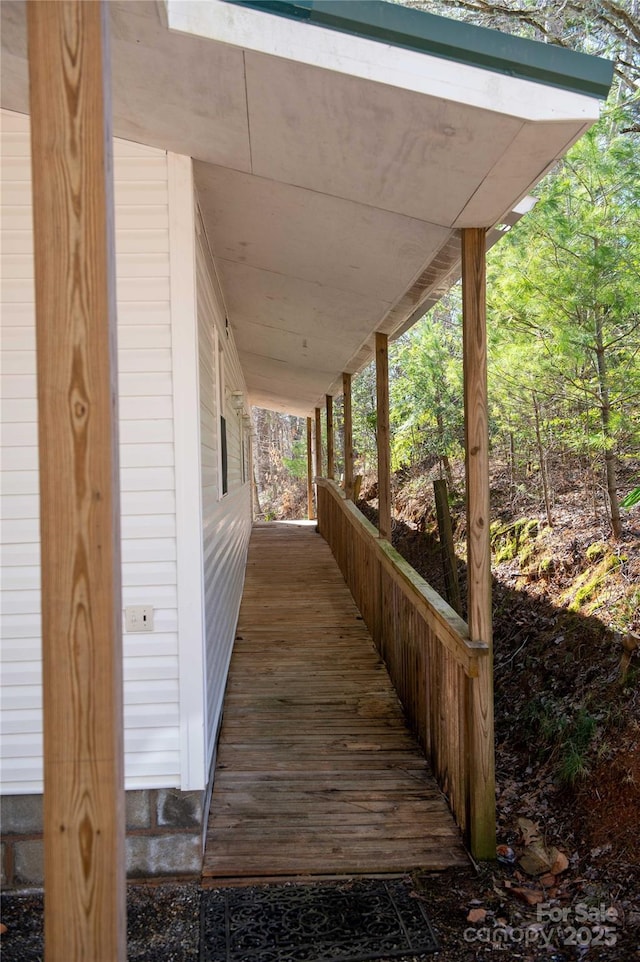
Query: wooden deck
[{"x": 317, "y": 773}]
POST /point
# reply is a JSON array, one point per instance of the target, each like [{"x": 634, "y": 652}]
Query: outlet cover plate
[{"x": 138, "y": 618}]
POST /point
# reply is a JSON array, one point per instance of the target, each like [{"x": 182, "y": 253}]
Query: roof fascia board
[
  {"x": 450, "y": 39},
  {"x": 252, "y": 29}
]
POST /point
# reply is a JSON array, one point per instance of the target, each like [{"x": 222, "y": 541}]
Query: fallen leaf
[
  {"x": 536, "y": 860},
  {"x": 561, "y": 864},
  {"x": 3, "y": 928},
  {"x": 477, "y": 915},
  {"x": 530, "y": 896},
  {"x": 547, "y": 880},
  {"x": 530, "y": 831}
]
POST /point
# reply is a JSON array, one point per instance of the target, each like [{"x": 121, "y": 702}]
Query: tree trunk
[
  {"x": 512, "y": 460},
  {"x": 446, "y": 464},
  {"x": 605, "y": 416},
  {"x": 543, "y": 466},
  {"x": 445, "y": 533}
]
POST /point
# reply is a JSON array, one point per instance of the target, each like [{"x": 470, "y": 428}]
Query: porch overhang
[{"x": 338, "y": 151}]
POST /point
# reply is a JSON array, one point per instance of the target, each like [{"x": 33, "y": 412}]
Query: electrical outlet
[{"x": 138, "y": 618}]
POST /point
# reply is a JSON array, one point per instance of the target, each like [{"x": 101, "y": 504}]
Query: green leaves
[
  {"x": 426, "y": 388},
  {"x": 564, "y": 290},
  {"x": 631, "y": 499}
]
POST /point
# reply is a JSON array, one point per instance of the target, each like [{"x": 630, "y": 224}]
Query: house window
[
  {"x": 224, "y": 462},
  {"x": 223, "y": 459}
]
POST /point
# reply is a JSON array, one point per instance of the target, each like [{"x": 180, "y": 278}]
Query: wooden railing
[{"x": 424, "y": 643}]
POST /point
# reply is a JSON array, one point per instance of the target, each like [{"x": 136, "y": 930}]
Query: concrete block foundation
[{"x": 165, "y": 836}]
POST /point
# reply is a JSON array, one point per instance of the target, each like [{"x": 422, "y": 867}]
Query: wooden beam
[
  {"x": 348, "y": 436},
  {"x": 318, "y": 444},
  {"x": 310, "y": 509},
  {"x": 330, "y": 439},
  {"x": 85, "y": 910},
  {"x": 383, "y": 436},
  {"x": 481, "y": 727}
]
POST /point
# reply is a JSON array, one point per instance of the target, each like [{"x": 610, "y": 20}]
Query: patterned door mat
[{"x": 343, "y": 922}]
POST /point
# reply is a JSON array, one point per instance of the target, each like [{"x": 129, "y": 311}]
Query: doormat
[{"x": 344, "y": 922}]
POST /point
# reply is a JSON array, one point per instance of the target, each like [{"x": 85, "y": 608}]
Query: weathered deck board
[{"x": 317, "y": 773}]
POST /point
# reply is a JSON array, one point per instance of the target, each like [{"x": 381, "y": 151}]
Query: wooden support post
[
  {"x": 255, "y": 505},
  {"x": 85, "y": 908},
  {"x": 310, "y": 511},
  {"x": 330, "y": 443},
  {"x": 451, "y": 584},
  {"x": 318, "y": 444},
  {"x": 482, "y": 814},
  {"x": 348, "y": 437},
  {"x": 383, "y": 436}
]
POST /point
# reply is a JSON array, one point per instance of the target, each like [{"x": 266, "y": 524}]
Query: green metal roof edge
[{"x": 449, "y": 39}]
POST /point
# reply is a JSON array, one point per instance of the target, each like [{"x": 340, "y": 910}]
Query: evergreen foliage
[{"x": 564, "y": 334}]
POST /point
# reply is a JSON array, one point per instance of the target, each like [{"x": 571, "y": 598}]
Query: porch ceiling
[{"x": 334, "y": 171}]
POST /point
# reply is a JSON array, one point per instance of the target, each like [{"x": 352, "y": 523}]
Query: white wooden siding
[
  {"x": 151, "y": 663},
  {"x": 226, "y": 520}
]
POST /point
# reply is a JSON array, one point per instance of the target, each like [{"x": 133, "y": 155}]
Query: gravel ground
[{"x": 164, "y": 924}]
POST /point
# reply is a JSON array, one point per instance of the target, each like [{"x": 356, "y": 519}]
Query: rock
[{"x": 477, "y": 915}]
